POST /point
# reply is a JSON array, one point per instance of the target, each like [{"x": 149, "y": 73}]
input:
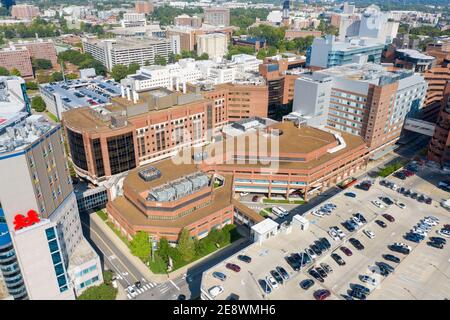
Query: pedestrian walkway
[{"x": 144, "y": 288}]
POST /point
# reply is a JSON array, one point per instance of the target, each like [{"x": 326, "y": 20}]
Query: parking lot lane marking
[{"x": 173, "y": 283}]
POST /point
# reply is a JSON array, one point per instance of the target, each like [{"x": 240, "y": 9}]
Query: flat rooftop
[
  {"x": 83, "y": 92},
  {"x": 89, "y": 118},
  {"x": 24, "y": 133},
  {"x": 366, "y": 72},
  {"x": 294, "y": 140}
]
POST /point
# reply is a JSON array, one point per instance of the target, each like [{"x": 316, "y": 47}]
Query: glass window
[
  {"x": 56, "y": 257},
  {"x": 50, "y": 232},
  {"x": 53, "y": 245},
  {"x": 62, "y": 280},
  {"x": 59, "y": 269}
]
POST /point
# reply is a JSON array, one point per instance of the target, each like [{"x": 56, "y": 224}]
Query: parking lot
[{"x": 422, "y": 274}]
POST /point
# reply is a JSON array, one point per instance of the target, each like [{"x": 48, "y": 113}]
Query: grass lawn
[
  {"x": 102, "y": 214},
  {"x": 264, "y": 213},
  {"x": 283, "y": 201},
  {"x": 52, "y": 116}
]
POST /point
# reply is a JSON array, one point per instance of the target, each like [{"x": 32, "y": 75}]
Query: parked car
[
  {"x": 255, "y": 199},
  {"x": 322, "y": 272},
  {"x": 350, "y": 194},
  {"x": 244, "y": 258},
  {"x": 399, "y": 249},
  {"x": 311, "y": 253},
  {"x": 391, "y": 257},
  {"x": 361, "y": 288},
  {"x": 377, "y": 204},
  {"x": 282, "y": 272},
  {"x": 438, "y": 239},
  {"x": 369, "y": 233},
  {"x": 219, "y": 275},
  {"x": 381, "y": 223},
  {"x": 272, "y": 282},
  {"x": 295, "y": 265},
  {"x": 357, "y": 295},
  {"x": 233, "y": 296},
  {"x": 388, "y": 217},
  {"x": 338, "y": 259},
  {"x": 326, "y": 243},
  {"x": 322, "y": 294},
  {"x": 215, "y": 291},
  {"x": 356, "y": 243},
  {"x": 360, "y": 217},
  {"x": 401, "y": 205},
  {"x": 313, "y": 273},
  {"x": 276, "y": 276},
  {"x": 326, "y": 267},
  {"x": 233, "y": 267},
  {"x": 265, "y": 286},
  {"x": 438, "y": 245},
  {"x": 306, "y": 284},
  {"x": 346, "y": 251},
  {"x": 369, "y": 280}
]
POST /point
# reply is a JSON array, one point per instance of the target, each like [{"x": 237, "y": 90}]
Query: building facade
[
  {"x": 439, "y": 148},
  {"x": 24, "y": 11},
  {"x": 40, "y": 210},
  {"x": 327, "y": 52},
  {"x": 217, "y": 16},
  {"x": 365, "y": 100},
  {"x": 213, "y": 44},
  {"x": 126, "y": 51}
]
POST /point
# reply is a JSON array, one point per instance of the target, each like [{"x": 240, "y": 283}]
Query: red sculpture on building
[{"x": 20, "y": 221}]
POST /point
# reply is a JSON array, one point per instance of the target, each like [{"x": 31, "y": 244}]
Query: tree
[
  {"x": 31, "y": 85},
  {"x": 133, "y": 68},
  {"x": 186, "y": 246},
  {"x": 4, "y": 71},
  {"x": 42, "y": 78},
  {"x": 119, "y": 72},
  {"x": 203, "y": 56},
  {"x": 160, "y": 61},
  {"x": 42, "y": 64},
  {"x": 105, "y": 291},
  {"x": 140, "y": 245},
  {"x": 72, "y": 76},
  {"x": 56, "y": 76},
  {"x": 38, "y": 104},
  {"x": 163, "y": 249},
  {"x": 147, "y": 63},
  {"x": 15, "y": 72}
]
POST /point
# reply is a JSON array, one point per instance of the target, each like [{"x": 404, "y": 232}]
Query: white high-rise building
[
  {"x": 214, "y": 44},
  {"x": 46, "y": 249}
]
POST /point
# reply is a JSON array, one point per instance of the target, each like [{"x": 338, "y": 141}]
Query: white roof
[
  {"x": 300, "y": 218},
  {"x": 265, "y": 226}
]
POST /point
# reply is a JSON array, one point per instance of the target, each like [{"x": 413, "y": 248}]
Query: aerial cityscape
[{"x": 224, "y": 150}]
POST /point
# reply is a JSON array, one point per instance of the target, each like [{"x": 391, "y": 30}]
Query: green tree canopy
[
  {"x": 15, "y": 72},
  {"x": 4, "y": 71},
  {"x": 31, "y": 85},
  {"x": 38, "y": 104},
  {"x": 42, "y": 64},
  {"x": 133, "y": 68},
  {"x": 160, "y": 61},
  {"x": 56, "y": 76},
  {"x": 186, "y": 246},
  {"x": 140, "y": 245}
]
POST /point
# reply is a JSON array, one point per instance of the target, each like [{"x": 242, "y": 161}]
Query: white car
[
  {"x": 272, "y": 282},
  {"x": 317, "y": 213},
  {"x": 340, "y": 233},
  {"x": 333, "y": 234},
  {"x": 444, "y": 233},
  {"x": 311, "y": 253},
  {"x": 215, "y": 291},
  {"x": 357, "y": 221},
  {"x": 432, "y": 218},
  {"x": 369, "y": 280},
  {"x": 131, "y": 291},
  {"x": 401, "y": 205},
  {"x": 243, "y": 194},
  {"x": 377, "y": 203},
  {"x": 429, "y": 222},
  {"x": 369, "y": 233}
]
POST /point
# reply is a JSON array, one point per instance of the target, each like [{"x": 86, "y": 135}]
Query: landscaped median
[
  {"x": 187, "y": 250},
  {"x": 390, "y": 169}
]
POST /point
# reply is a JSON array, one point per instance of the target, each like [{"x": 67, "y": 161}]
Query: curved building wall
[{"x": 9, "y": 266}]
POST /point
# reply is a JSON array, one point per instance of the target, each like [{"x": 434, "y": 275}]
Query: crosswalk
[{"x": 144, "y": 288}]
